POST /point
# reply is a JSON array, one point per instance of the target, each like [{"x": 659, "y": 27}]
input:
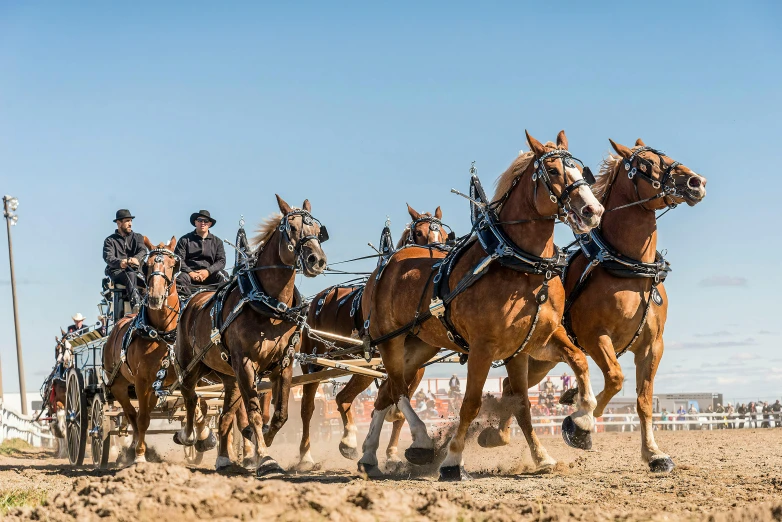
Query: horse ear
[
  {"x": 640, "y": 143},
  {"x": 536, "y": 146},
  {"x": 562, "y": 140},
  {"x": 438, "y": 213},
  {"x": 284, "y": 207},
  {"x": 172, "y": 243},
  {"x": 306, "y": 205},
  {"x": 621, "y": 149},
  {"x": 413, "y": 214},
  {"x": 148, "y": 243},
  {"x": 62, "y": 331}
]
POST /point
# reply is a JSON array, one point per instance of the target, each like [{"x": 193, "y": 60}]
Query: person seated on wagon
[
  {"x": 202, "y": 255},
  {"x": 123, "y": 252},
  {"x": 78, "y": 323}
]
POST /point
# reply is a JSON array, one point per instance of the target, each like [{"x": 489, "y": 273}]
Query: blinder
[
  {"x": 588, "y": 176},
  {"x": 323, "y": 235}
]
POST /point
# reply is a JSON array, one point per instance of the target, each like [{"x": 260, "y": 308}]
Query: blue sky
[{"x": 166, "y": 109}]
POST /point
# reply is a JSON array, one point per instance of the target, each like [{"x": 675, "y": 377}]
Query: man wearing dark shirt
[
  {"x": 123, "y": 252},
  {"x": 202, "y": 255},
  {"x": 78, "y": 323}
]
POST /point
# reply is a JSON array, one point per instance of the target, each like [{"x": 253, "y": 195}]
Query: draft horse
[
  {"x": 138, "y": 345},
  {"x": 616, "y": 299},
  {"x": 337, "y": 309},
  {"x": 505, "y": 301},
  {"x": 250, "y": 328}
]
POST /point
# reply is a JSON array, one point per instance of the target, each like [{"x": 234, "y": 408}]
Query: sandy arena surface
[{"x": 720, "y": 475}]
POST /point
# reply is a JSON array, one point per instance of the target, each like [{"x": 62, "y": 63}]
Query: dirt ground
[{"x": 720, "y": 475}]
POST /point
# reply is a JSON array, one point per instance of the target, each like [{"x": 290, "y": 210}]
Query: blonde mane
[
  {"x": 265, "y": 229},
  {"x": 609, "y": 168},
  {"x": 519, "y": 165}
]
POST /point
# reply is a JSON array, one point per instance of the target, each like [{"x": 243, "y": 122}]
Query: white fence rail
[{"x": 16, "y": 426}]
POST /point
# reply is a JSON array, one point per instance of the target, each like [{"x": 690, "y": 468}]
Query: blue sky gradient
[{"x": 166, "y": 108}]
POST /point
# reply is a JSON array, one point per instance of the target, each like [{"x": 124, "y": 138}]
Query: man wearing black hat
[
  {"x": 202, "y": 255},
  {"x": 123, "y": 252}
]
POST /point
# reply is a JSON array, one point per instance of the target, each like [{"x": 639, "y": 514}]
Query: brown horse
[
  {"x": 337, "y": 309},
  {"x": 134, "y": 362},
  {"x": 505, "y": 299},
  {"x": 250, "y": 328},
  {"x": 610, "y": 311}
]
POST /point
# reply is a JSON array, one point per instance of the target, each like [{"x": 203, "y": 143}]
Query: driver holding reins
[
  {"x": 202, "y": 255},
  {"x": 123, "y": 252}
]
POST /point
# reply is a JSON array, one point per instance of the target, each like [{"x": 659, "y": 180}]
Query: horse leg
[
  {"x": 368, "y": 462},
  {"x": 205, "y": 438},
  {"x": 646, "y": 363},
  {"x": 518, "y": 373},
  {"x": 242, "y": 422},
  {"x": 348, "y": 444},
  {"x": 120, "y": 392},
  {"x": 605, "y": 358},
  {"x": 577, "y": 428},
  {"x": 266, "y": 406},
  {"x": 281, "y": 392},
  {"x": 245, "y": 376},
  {"x": 232, "y": 402},
  {"x": 306, "y": 463},
  {"x": 452, "y": 468},
  {"x": 186, "y": 435},
  {"x": 146, "y": 401},
  {"x": 393, "y": 462}
]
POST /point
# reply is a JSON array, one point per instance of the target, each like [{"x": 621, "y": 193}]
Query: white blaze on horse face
[{"x": 580, "y": 199}]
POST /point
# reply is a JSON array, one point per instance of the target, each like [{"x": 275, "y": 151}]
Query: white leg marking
[
  {"x": 421, "y": 438},
  {"x": 349, "y": 436},
  {"x": 372, "y": 442}
]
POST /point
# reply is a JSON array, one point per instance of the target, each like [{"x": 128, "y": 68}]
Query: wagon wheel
[
  {"x": 100, "y": 445},
  {"x": 76, "y": 417}
]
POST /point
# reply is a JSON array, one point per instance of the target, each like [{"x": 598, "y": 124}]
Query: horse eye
[{"x": 419, "y": 233}]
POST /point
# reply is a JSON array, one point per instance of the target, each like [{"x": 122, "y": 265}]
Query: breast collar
[{"x": 600, "y": 253}]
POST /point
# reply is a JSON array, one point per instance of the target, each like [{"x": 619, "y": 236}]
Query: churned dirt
[{"x": 725, "y": 475}]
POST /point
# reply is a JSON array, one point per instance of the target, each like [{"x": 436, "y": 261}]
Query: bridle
[
  {"x": 665, "y": 185},
  {"x": 159, "y": 253},
  {"x": 297, "y": 247},
  {"x": 434, "y": 226}
]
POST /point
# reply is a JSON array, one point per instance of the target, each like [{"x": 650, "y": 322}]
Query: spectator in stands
[
  {"x": 664, "y": 420},
  {"x": 565, "y": 382},
  {"x": 693, "y": 413},
  {"x": 454, "y": 384},
  {"x": 752, "y": 409},
  {"x": 730, "y": 415},
  {"x": 420, "y": 397},
  {"x": 742, "y": 411},
  {"x": 777, "y": 409},
  {"x": 766, "y": 416}
]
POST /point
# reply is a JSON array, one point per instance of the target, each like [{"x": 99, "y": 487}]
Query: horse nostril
[
  {"x": 321, "y": 263},
  {"x": 694, "y": 182},
  {"x": 588, "y": 211},
  {"x": 312, "y": 259}
]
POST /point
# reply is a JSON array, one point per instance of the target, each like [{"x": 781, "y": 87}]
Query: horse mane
[
  {"x": 519, "y": 165},
  {"x": 265, "y": 229},
  {"x": 609, "y": 168}
]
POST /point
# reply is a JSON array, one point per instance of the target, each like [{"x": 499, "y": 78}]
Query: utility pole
[{"x": 10, "y": 204}]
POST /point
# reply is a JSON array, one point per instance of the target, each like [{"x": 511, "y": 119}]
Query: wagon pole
[{"x": 10, "y": 204}]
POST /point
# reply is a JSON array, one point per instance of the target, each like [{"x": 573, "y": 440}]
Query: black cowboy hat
[
  {"x": 202, "y": 213},
  {"x": 123, "y": 213}
]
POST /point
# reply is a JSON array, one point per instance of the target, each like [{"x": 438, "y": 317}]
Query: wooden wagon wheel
[
  {"x": 76, "y": 417},
  {"x": 100, "y": 443}
]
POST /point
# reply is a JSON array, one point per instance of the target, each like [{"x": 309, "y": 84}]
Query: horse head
[
  {"x": 666, "y": 182},
  {"x": 160, "y": 267},
  {"x": 302, "y": 238},
  {"x": 425, "y": 228}
]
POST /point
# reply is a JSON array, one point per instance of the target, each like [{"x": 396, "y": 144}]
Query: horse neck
[
  {"x": 403, "y": 240},
  {"x": 631, "y": 231},
  {"x": 535, "y": 237},
  {"x": 276, "y": 282},
  {"x": 167, "y": 317}
]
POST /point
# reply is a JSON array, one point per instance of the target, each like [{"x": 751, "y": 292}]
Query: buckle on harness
[
  {"x": 437, "y": 307},
  {"x": 282, "y": 307},
  {"x": 224, "y": 356},
  {"x": 215, "y": 336}
]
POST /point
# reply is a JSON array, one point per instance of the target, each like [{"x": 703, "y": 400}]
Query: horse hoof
[
  {"x": 453, "y": 474},
  {"x": 419, "y": 456},
  {"x": 569, "y": 397},
  {"x": 348, "y": 452},
  {"x": 248, "y": 432},
  {"x": 369, "y": 471},
  {"x": 304, "y": 466},
  {"x": 491, "y": 437},
  {"x": 248, "y": 463},
  {"x": 268, "y": 468},
  {"x": 394, "y": 466},
  {"x": 574, "y": 436},
  {"x": 202, "y": 446},
  {"x": 179, "y": 441},
  {"x": 661, "y": 465}
]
